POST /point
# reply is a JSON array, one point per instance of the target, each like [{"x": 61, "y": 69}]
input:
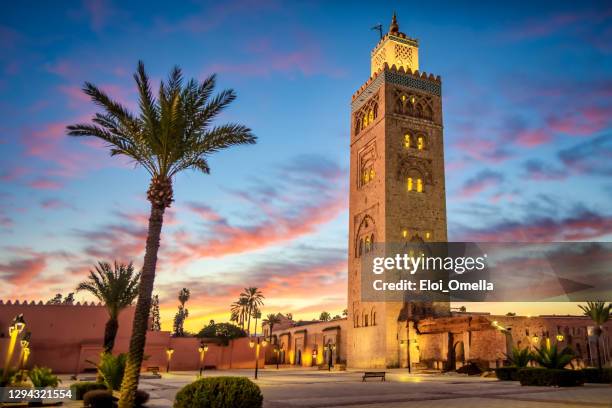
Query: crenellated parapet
[
  {"x": 41, "y": 303},
  {"x": 421, "y": 81}
]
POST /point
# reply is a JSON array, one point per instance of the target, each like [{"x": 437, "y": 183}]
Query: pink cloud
[
  {"x": 583, "y": 122},
  {"x": 55, "y": 204},
  {"x": 533, "y": 138},
  {"x": 23, "y": 271},
  {"x": 45, "y": 184},
  {"x": 480, "y": 182}
]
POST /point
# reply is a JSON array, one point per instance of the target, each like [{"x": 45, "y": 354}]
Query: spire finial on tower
[{"x": 394, "y": 27}]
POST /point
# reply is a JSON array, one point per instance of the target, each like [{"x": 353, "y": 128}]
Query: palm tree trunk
[
  {"x": 143, "y": 306},
  {"x": 249, "y": 321},
  {"x": 599, "y": 365},
  {"x": 110, "y": 332},
  {"x": 271, "y": 327}
]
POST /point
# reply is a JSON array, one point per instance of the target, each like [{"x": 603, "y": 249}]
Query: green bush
[
  {"x": 111, "y": 368},
  {"x": 43, "y": 377},
  {"x": 79, "y": 389},
  {"x": 550, "y": 377},
  {"x": 519, "y": 357},
  {"x": 550, "y": 356},
  {"x": 99, "y": 399},
  {"x": 507, "y": 373},
  {"x": 141, "y": 398},
  {"x": 6, "y": 380},
  {"x": 595, "y": 375},
  {"x": 219, "y": 392}
]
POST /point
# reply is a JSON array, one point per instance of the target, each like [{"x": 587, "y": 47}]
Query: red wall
[{"x": 65, "y": 336}]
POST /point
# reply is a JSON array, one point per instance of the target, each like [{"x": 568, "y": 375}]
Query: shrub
[
  {"x": 99, "y": 399},
  {"x": 7, "y": 379},
  {"x": 507, "y": 373},
  {"x": 595, "y": 375},
  {"x": 519, "y": 357},
  {"x": 79, "y": 389},
  {"x": 551, "y": 357},
  {"x": 470, "y": 369},
  {"x": 141, "y": 398},
  {"x": 550, "y": 377},
  {"x": 43, "y": 377},
  {"x": 223, "y": 331},
  {"x": 220, "y": 392},
  {"x": 111, "y": 368}
]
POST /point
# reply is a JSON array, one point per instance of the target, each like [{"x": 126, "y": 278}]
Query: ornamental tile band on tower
[{"x": 397, "y": 189}]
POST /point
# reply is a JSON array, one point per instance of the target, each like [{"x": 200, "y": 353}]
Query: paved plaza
[{"x": 309, "y": 389}]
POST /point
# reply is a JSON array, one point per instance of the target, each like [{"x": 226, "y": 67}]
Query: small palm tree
[
  {"x": 519, "y": 357},
  {"x": 115, "y": 287},
  {"x": 599, "y": 313},
  {"x": 550, "y": 356},
  {"x": 254, "y": 299},
  {"x": 239, "y": 310},
  {"x": 171, "y": 133},
  {"x": 271, "y": 320}
]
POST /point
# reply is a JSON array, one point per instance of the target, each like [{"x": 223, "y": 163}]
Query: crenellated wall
[{"x": 64, "y": 337}]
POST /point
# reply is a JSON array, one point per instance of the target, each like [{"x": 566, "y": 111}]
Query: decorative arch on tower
[
  {"x": 365, "y": 235},
  {"x": 413, "y": 104},
  {"x": 366, "y": 115},
  {"x": 417, "y": 167}
]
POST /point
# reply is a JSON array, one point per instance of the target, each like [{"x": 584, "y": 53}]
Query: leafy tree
[
  {"x": 155, "y": 316},
  {"x": 223, "y": 331},
  {"x": 55, "y": 300},
  {"x": 172, "y": 133},
  {"x": 254, "y": 299},
  {"x": 68, "y": 299},
  {"x": 325, "y": 316},
  {"x": 519, "y": 357},
  {"x": 599, "y": 312},
  {"x": 345, "y": 312},
  {"x": 271, "y": 320},
  {"x": 336, "y": 317},
  {"x": 182, "y": 314},
  {"x": 549, "y": 356},
  {"x": 115, "y": 287}
]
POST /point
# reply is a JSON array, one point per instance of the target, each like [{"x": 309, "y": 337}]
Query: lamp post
[
  {"x": 202, "y": 349},
  {"x": 15, "y": 329},
  {"x": 256, "y": 345},
  {"x": 169, "y": 352},
  {"x": 330, "y": 351},
  {"x": 277, "y": 355}
]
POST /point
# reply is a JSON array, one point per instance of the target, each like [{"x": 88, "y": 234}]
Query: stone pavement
[{"x": 300, "y": 388}]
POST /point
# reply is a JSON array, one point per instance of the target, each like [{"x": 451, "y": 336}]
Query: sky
[{"x": 527, "y": 104}]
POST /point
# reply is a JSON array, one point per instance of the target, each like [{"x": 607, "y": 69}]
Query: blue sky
[{"x": 527, "y": 112}]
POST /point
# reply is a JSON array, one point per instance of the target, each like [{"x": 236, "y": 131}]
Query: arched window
[
  {"x": 373, "y": 318},
  {"x": 420, "y": 143},
  {"x": 371, "y": 116},
  {"x": 368, "y": 244},
  {"x": 407, "y": 141},
  {"x": 365, "y": 320},
  {"x": 419, "y": 185},
  {"x": 410, "y": 184}
]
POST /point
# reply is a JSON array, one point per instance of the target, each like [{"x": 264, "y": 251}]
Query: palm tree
[
  {"x": 549, "y": 356},
  {"x": 182, "y": 314},
  {"x": 115, "y": 287},
  {"x": 519, "y": 357},
  {"x": 171, "y": 133},
  {"x": 271, "y": 320},
  {"x": 599, "y": 313},
  {"x": 256, "y": 315},
  {"x": 239, "y": 310},
  {"x": 254, "y": 300}
]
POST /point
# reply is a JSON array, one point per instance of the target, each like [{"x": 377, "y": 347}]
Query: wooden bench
[
  {"x": 154, "y": 370},
  {"x": 374, "y": 374}
]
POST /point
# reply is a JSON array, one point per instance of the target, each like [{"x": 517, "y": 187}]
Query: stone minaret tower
[{"x": 397, "y": 191}]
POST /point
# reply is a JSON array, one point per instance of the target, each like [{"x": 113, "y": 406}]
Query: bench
[
  {"x": 374, "y": 374},
  {"x": 154, "y": 370}
]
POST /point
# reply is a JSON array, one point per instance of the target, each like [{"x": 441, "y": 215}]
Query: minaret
[{"x": 397, "y": 191}]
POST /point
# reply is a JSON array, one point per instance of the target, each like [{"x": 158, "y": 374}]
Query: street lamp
[
  {"x": 560, "y": 337},
  {"x": 330, "y": 351},
  {"x": 257, "y": 344},
  {"x": 15, "y": 329},
  {"x": 169, "y": 352},
  {"x": 277, "y": 355},
  {"x": 202, "y": 349}
]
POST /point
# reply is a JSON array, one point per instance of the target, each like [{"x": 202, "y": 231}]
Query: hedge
[
  {"x": 509, "y": 373},
  {"x": 595, "y": 375},
  {"x": 550, "y": 377},
  {"x": 80, "y": 388},
  {"x": 219, "y": 392},
  {"x": 98, "y": 399}
]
